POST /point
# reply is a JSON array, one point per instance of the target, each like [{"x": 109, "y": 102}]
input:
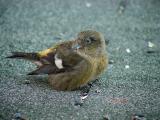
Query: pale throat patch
[{"x": 58, "y": 62}]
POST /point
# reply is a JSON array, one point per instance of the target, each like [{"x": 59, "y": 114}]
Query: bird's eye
[
  {"x": 88, "y": 41},
  {"x": 92, "y": 38}
]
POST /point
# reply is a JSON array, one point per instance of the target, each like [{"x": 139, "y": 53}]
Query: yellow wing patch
[{"x": 45, "y": 52}]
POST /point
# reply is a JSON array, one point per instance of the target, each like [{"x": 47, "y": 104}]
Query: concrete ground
[{"x": 130, "y": 85}]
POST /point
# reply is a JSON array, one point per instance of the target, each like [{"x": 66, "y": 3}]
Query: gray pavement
[{"x": 130, "y": 85}]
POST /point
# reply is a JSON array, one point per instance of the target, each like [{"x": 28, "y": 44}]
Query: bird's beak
[{"x": 76, "y": 46}]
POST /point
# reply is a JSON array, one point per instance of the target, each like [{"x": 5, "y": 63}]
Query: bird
[{"x": 70, "y": 64}]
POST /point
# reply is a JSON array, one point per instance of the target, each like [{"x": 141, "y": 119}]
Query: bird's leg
[{"x": 85, "y": 89}]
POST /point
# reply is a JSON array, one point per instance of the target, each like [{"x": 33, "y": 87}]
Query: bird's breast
[{"x": 101, "y": 65}]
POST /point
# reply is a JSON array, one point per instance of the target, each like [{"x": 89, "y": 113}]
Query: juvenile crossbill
[{"x": 70, "y": 64}]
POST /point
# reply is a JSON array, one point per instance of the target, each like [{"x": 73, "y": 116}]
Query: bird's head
[{"x": 91, "y": 42}]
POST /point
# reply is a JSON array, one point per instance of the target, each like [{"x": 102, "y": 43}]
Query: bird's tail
[{"x": 23, "y": 55}]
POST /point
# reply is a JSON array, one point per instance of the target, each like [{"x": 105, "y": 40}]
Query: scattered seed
[
  {"x": 150, "y": 44},
  {"x": 88, "y": 4},
  {"x": 127, "y": 66},
  {"x": 84, "y": 97},
  {"x": 128, "y": 50}
]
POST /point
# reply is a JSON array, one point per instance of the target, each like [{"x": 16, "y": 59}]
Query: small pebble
[
  {"x": 150, "y": 44},
  {"x": 127, "y": 66},
  {"x": 122, "y": 6},
  {"x": 138, "y": 117},
  {"x": 106, "y": 117},
  {"x": 107, "y": 41},
  {"x": 18, "y": 115},
  {"x": 98, "y": 91},
  {"x": 111, "y": 61},
  {"x": 128, "y": 50},
  {"x": 88, "y": 4},
  {"x": 26, "y": 82},
  {"x": 151, "y": 51},
  {"x": 10, "y": 64}
]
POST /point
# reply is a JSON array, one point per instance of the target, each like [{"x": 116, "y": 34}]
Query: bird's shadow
[{"x": 39, "y": 81}]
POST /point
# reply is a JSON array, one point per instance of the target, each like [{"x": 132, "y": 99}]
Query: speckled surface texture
[{"x": 131, "y": 85}]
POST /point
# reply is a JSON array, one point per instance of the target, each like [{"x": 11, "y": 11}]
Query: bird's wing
[{"x": 58, "y": 59}]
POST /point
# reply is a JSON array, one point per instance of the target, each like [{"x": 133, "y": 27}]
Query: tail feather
[
  {"x": 43, "y": 65},
  {"x": 22, "y": 55}
]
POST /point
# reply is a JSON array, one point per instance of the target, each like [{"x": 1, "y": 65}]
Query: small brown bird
[{"x": 70, "y": 64}]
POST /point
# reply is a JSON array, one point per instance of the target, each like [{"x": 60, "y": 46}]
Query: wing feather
[{"x": 58, "y": 59}]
